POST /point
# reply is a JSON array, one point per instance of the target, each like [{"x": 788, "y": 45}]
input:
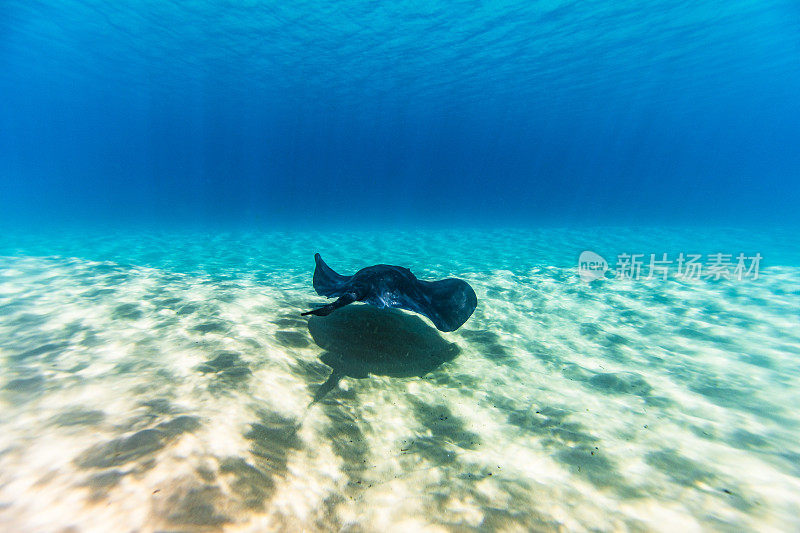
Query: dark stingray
[
  {"x": 362, "y": 340},
  {"x": 448, "y": 303}
]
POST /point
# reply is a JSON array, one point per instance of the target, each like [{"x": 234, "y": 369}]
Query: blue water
[
  {"x": 169, "y": 169},
  {"x": 421, "y": 112}
]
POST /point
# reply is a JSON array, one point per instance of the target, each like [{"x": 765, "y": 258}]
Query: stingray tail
[
  {"x": 325, "y": 310},
  {"x": 326, "y": 281}
]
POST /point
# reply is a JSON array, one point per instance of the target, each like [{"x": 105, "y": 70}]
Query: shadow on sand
[{"x": 360, "y": 340}]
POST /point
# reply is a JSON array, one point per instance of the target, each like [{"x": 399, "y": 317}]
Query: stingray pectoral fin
[
  {"x": 448, "y": 303},
  {"x": 325, "y": 310},
  {"x": 326, "y": 281}
]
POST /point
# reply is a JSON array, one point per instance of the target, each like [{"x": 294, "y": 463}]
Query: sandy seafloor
[{"x": 163, "y": 381}]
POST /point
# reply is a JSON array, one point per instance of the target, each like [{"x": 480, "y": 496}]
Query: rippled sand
[{"x": 157, "y": 381}]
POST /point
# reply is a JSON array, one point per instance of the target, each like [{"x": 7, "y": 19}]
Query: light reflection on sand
[{"x": 144, "y": 394}]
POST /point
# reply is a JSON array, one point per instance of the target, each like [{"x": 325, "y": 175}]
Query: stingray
[{"x": 448, "y": 303}]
